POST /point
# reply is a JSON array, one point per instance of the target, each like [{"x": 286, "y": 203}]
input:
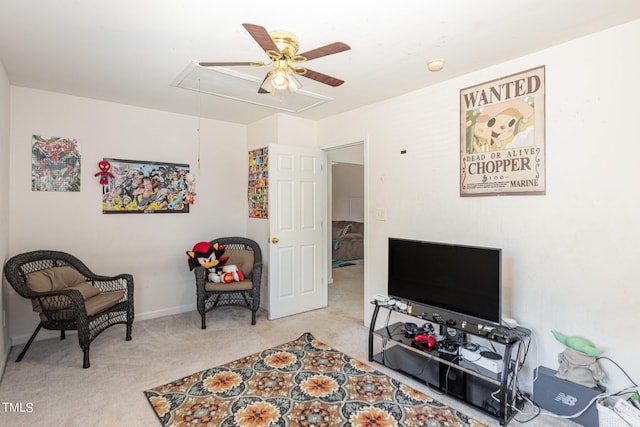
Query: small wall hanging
[
  {"x": 105, "y": 172},
  {"x": 55, "y": 164},
  {"x": 258, "y": 183}
]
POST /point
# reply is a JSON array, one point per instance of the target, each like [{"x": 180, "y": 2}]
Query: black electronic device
[
  {"x": 411, "y": 330},
  {"x": 448, "y": 346},
  {"x": 504, "y": 335},
  {"x": 455, "y": 281}
]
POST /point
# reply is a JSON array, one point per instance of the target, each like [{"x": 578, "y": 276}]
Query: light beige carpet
[{"x": 110, "y": 393}]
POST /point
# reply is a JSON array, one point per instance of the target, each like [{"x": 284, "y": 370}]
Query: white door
[{"x": 297, "y": 279}]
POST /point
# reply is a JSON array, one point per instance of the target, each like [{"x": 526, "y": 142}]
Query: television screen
[{"x": 465, "y": 280}]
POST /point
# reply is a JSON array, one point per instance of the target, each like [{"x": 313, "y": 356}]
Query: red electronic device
[{"x": 425, "y": 342}]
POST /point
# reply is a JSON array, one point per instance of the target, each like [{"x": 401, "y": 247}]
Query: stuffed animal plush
[
  {"x": 226, "y": 274},
  {"x": 577, "y": 343},
  {"x": 104, "y": 173},
  {"x": 231, "y": 273},
  {"x": 578, "y": 362},
  {"x": 207, "y": 255},
  {"x": 210, "y": 256}
]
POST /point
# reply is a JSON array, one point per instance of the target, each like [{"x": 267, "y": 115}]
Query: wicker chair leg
[
  {"x": 129, "y": 327},
  {"x": 62, "y": 335},
  {"x": 204, "y": 321},
  {"x": 253, "y": 317},
  {"x": 26, "y": 347},
  {"x": 85, "y": 363}
]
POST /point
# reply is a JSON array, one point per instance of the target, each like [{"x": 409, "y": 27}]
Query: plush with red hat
[
  {"x": 210, "y": 256},
  {"x": 207, "y": 255}
]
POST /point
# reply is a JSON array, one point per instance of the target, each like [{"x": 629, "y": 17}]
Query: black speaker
[{"x": 452, "y": 381}]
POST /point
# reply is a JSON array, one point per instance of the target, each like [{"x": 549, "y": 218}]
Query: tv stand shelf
[{"x": 443, "y": 371}]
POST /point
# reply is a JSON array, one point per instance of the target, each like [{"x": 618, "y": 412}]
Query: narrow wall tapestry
[
  {"x": 258, "y": 183},
  {"x": 55, "y": 164},
  {"x": 147, "y": 187},
  {"x": 502, "y": 136}
]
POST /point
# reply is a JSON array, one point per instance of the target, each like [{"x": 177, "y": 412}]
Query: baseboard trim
[
  {"x": 45, "y": 335},
  {"x": 4, "y": 359},
  {"x": 165, "y": 312}
]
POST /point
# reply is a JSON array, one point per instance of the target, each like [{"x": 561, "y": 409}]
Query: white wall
[
  {"x": 570, "y": 256},
  {"x": 347, "y": 189},
  {"x": 152, "y": 247},
  {"x": 352, "y": 154},
  {"x": 4, "y": 208}
]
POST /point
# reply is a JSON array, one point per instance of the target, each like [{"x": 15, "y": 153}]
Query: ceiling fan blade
[
  {"x": 329, "y": 49},
  {"x": 261, "y": 35},
  {"x": 261, "y": 89},
  {"x": 222, "y": 64},
  {"x": 322, "y": 78}
]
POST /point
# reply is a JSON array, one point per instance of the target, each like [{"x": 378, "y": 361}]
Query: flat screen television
[{"x": 463, "y": 280}]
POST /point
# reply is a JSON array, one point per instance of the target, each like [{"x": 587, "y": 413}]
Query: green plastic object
[{"x": 577, "y": 343}]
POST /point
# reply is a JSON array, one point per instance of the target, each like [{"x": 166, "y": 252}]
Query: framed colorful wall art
[{"x": 147, "y": 187}]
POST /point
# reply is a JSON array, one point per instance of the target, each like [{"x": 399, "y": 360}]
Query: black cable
[
  {"x": 539, "y": 411},
  {"x": 619, "y": 367},
  {"x": 453, "y": 360}
]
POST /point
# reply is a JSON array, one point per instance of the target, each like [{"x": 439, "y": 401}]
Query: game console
[
  {"x": 380, "y": 298},
  {"x": 486, "y": 362}
]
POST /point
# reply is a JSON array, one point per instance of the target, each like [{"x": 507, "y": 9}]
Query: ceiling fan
[{"x": 282, "y": 49}]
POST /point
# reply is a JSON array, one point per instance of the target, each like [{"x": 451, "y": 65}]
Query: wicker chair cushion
[
  {"x": 55, "y": 279},
  {"x": 233, "y": 286},
  {"x": 243, "y": 259},
  {"x": 93, "y": 305}
]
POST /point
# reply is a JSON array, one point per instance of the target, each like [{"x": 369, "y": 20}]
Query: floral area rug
[{"x": 301, "y": 383}]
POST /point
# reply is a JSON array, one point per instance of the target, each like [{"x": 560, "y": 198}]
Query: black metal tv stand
[{"x": 494, "y": 393}]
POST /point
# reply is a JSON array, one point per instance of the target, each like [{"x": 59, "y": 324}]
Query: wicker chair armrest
[
  {"x": 121, "y": 282},
  {"x": 73, "y": 294},
  {"x": 54, "y": 304},
  {"x": 201, "y": 277},
  {"x": 256, "y": 273}
]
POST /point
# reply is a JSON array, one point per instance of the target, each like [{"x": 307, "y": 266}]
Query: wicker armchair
[
  {"x": 69, "y": 296},
  {"x": 246, "y": 254}
]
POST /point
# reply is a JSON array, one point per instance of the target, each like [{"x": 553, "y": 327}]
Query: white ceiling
[{"x": 132, "y": 51}]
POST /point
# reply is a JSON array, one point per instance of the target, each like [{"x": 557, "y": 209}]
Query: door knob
[{"x": 274, "y": 240}]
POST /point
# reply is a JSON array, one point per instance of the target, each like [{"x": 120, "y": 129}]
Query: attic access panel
[{"x": 231, "y": 84}]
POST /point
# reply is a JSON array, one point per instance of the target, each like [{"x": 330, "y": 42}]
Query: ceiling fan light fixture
[
  {"x": 280, "y": 77},
  {"x": 294, "y": 84}
]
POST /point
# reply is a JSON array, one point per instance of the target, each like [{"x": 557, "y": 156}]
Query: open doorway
[{"x": 346, "y": 213}]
